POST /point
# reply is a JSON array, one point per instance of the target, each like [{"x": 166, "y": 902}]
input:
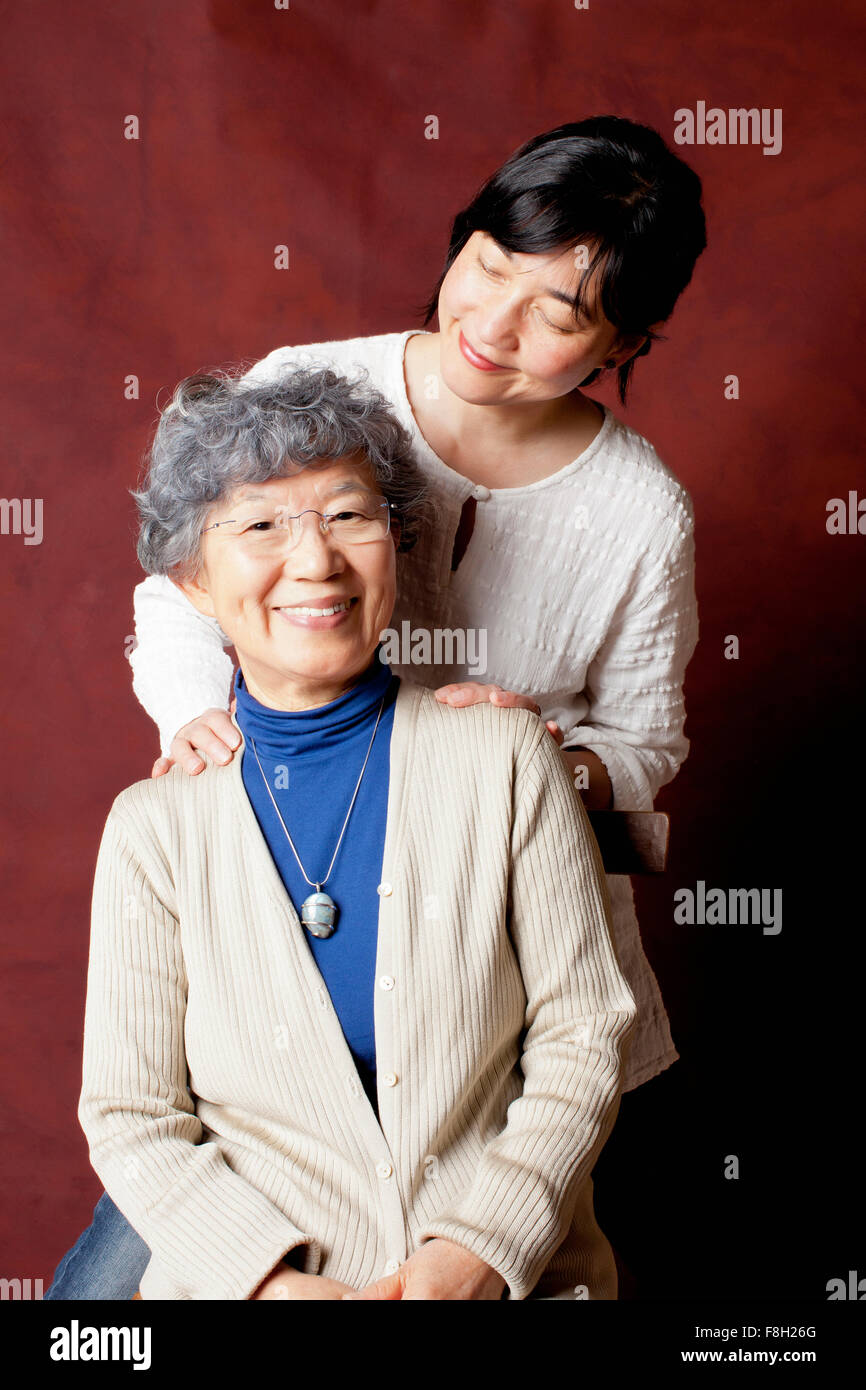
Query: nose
[
  {"x": 497, "y": 318},
  {"x": 313, "y": 554}
]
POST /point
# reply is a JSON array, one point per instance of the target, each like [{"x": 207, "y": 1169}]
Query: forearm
[
  {"x": 212, "y": 1233},
  {"x": 593, "y": 782},
  {"x": 279, "y": 1280},
  {"x": 636, "y": 713},
  {"x": 579, "y": 1013}
]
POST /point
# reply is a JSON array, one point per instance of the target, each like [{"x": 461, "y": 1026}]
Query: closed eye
[{"x": 557, "y": 328}]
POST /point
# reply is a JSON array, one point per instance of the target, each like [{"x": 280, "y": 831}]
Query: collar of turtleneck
[{"x": 311, "y": 731}]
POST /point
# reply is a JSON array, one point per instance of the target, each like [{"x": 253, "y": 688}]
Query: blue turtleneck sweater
[{"x": 312, "y": 758}]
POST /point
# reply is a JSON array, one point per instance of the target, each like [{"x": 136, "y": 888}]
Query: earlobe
[{"x": 638, "y": 345}]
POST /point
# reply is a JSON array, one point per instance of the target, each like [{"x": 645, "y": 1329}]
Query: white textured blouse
[
  {"x": 583, "y": 583},
  {"x": 222, "y": 1106}
]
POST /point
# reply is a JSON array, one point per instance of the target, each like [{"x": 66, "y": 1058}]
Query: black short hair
[{"x": 609, "y": 182}]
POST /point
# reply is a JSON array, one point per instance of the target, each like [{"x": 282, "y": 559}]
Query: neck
[
  {"x": 292, "y": 694},
  {"x": 313, "y": 730}
]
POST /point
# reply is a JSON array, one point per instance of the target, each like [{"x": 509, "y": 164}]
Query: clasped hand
[{"x": 438, "y": 1270}]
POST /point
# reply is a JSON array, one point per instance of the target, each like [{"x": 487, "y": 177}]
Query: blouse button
[
  {"x": 384, "y": 890},
  {"x": 481, "y": 494}
]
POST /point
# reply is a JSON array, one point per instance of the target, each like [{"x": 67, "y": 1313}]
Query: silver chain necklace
[{"x": 318, "y": 910}]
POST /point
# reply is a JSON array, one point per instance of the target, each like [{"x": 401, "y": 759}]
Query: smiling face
[
  {"x": 272, "y": 600},
  {"x": 505, "y": 332}
]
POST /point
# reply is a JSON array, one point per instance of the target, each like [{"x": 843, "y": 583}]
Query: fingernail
[
  {"x": 347, "y": 1295},
  {"x": 193, "y": 765}
]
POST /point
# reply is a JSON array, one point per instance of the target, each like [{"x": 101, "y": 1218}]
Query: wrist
[
  {"x": 281, "y": 1275},
  {"x": 486, "y": 1274},
  {"x": 295, "y": 1259},
  {"x": 596, "y": 788}
]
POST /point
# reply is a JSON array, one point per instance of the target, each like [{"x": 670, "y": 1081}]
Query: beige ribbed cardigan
[{"x": 222, "y": 1106}]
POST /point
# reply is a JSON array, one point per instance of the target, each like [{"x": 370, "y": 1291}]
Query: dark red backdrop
[{"x": 155, "y": 257}]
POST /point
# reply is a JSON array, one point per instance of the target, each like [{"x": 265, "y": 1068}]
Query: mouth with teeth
[{"x": 329, "y": 615}]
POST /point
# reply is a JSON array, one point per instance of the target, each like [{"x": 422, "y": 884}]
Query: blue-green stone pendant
[{"x": 319, "y": 914}]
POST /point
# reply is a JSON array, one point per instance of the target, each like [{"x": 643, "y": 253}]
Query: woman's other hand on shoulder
[
  {"x": 475, "y": 693},
  {"x": 212, "y": 733}
]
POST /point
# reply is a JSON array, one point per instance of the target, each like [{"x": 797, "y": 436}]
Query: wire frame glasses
[{"x": 264, "y": 529}]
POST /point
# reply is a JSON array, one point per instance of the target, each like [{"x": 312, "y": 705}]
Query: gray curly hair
[{"x": 218, "y": 433}]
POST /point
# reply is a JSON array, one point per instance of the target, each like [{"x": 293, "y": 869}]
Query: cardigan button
[
  {"x": 384, "y": 1170},
  {"x": 391, "y": 1267},
  {"x": 386, "y": 982},
  {"x": 384, "y": 890},
  {"x": 481, "y": 493},
  {"x": 389, "y": 1078}
]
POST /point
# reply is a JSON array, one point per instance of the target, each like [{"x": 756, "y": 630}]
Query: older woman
[{"x": 355, "y": 1022}]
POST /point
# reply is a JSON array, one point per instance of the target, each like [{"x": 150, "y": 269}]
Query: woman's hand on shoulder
[
  {"x": 440, "y": 1270},
  {"x": 212, "y": 733},
  {"x": 476, "y": 693}
]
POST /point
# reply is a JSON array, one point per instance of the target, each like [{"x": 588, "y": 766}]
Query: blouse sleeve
[
  {"x": 210, "y": 1232},
  {"x": 179, "y": 664},
  {"x": 579, "y": 1013},
  {"x": 634, "y": 685}
]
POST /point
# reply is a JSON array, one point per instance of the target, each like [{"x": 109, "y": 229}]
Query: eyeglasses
[{"x": 271, "y": 529}]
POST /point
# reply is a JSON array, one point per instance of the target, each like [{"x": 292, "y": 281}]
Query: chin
[
  {"x": 459, "y": 377},
  {"x": 466, "y": 385},
  {"x": 333, "y": 663}
]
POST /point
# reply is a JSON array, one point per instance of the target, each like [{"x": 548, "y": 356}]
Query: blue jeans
[{"x": 107, "y": 1261}]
